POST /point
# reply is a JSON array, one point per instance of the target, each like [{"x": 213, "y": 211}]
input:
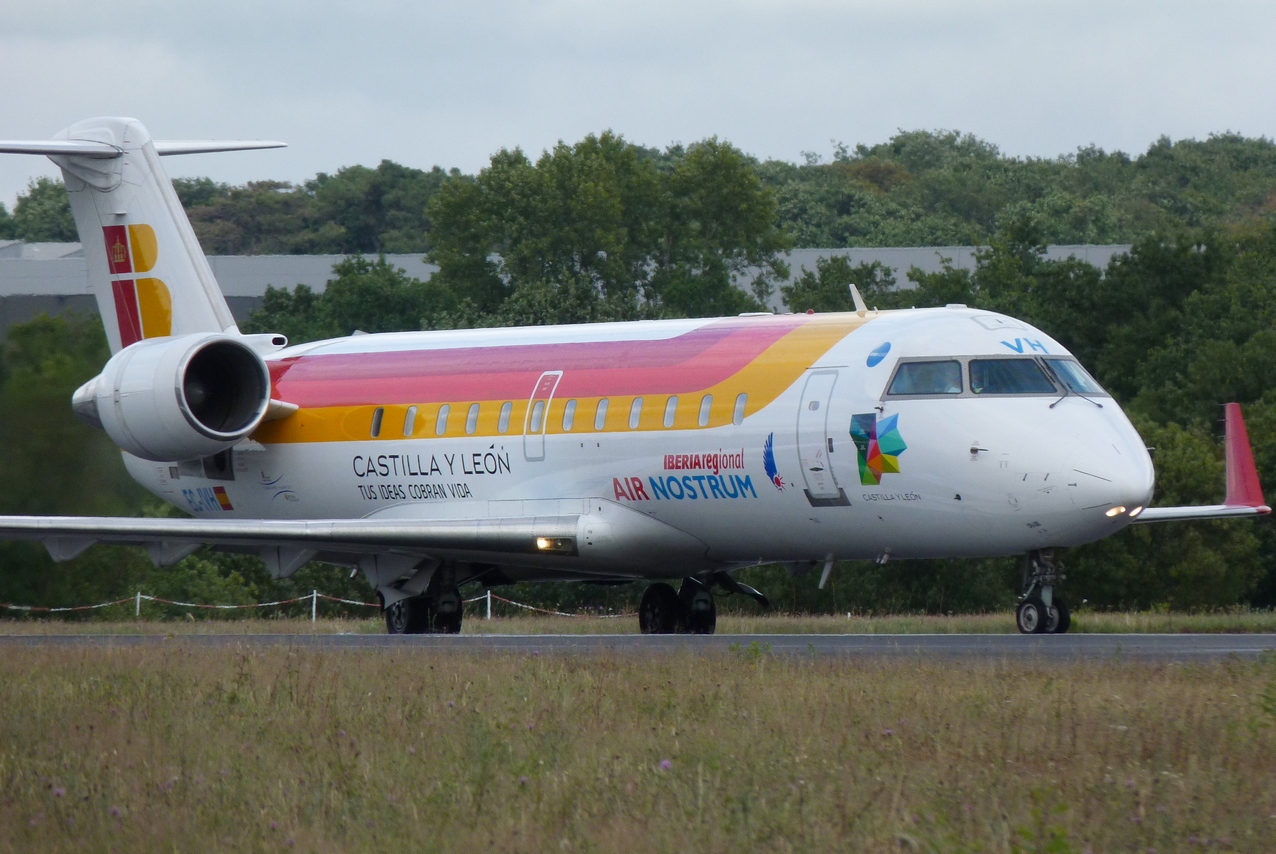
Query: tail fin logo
[
  {"x": 119, "y": 255},
  {"x": 143, "y": 306}
]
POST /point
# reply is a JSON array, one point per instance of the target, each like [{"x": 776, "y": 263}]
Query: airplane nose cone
[{"x": 1111, "y": 478}]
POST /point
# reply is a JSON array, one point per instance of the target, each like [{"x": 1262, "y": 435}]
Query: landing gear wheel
[
  {"x": 448, "y": 610},
  {"x": 699, "y": 612},
  {"x": 660, "y": 612},
  {"x": 409, "y": 616},
  {"x": 1031, "y": 616},
  {"x": 1060, "y": 617},
  {"x": 447, "y": 624}
]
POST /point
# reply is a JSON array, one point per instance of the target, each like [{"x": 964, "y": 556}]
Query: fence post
[
  {"x": 137, "y": 606},
  {"x": 314, "y": 602},
  {"x": 489, "y": 603}
]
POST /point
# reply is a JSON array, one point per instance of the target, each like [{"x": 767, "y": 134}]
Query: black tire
[
  {"x": 697, "y": 621},
  {"x": 1030, "y": 616},
  {"x": 448, "y": 624},
  {"x": 1064, "y": 621},
  {"x": 703, "y": 622},
  {"x": 409, "y": 616},
  {"x": 660, "y": 612}
]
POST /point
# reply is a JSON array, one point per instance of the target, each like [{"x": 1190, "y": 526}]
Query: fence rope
[{"x": 138, "y": 598}]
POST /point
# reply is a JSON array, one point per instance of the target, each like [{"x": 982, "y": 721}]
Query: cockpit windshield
[
  {"x": 940, "y": 377},
  {"x": 1075, "y": 377},
  {"x": 1009, "y": 376}
]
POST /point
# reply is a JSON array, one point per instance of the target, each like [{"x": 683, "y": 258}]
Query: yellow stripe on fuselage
[{"x": 763, "y": 380}]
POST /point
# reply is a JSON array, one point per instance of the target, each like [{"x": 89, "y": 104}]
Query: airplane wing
[
  {"x": 292, "y": 543},
  {"x": 1244, "y": 492},
  {"x": 611, "y": 536}
]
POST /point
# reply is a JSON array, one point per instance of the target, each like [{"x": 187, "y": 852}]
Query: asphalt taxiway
[{"x": 1145, "y": 647}]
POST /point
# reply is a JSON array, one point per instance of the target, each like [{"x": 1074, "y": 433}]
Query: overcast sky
[{"x": 425, "y": 82}]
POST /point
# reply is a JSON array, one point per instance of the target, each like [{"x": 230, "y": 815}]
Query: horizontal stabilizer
[
  {"x": 105, "y": 151},
  {"x": 52, "y": 147},
  {"x": 164, "y": 147},
  {"x": 1244, "y": 492}
]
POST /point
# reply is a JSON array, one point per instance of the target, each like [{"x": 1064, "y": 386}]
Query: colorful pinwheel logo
[{"x": 879, "y": 445}]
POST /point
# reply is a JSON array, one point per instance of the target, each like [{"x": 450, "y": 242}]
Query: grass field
[
  {"x": 188, "y": 749},
  {"x": 1087, "y": 621}
]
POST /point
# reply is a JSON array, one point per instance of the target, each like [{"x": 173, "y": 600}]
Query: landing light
[
  {"x": 1136, "y": 511},
  {"x": 1115, "y": 511},
  {"x": 555, "y": 544}
]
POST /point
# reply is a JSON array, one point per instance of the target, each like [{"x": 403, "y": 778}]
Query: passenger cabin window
[
  {"x": 538, "y": 417},
  {"x": 671, "y": 410},
  {"x": 706, "y": 406},
  {"x": 600, "y": 415},
  {"x": 1074, "y": 377},
  {"x": 440, "y": 425},
  {"x": 503, "y": 423},
  {"x": 569, "y": 416},
  {"x": 737, "y": 417},
  {"x": 409, "y": 421},
  {"x": 1009, "y": 376},
  {"x": 635, "y": 413},
  {"x": 377, "y": 415},
  {"x": 471, "y": 419},
  {"x": 939, "y": 377}
]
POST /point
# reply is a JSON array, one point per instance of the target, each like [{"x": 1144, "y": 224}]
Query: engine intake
[{"x": 168, "y": 399}]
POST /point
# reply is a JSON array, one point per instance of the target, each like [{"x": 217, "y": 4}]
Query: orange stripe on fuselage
[{"x": 760, "y": 356}]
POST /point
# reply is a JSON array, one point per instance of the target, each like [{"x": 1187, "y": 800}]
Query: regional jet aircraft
[{"x": 609, "y": 452}]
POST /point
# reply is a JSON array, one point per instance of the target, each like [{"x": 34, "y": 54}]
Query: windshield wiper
[{"x": 1067, "y": 388}]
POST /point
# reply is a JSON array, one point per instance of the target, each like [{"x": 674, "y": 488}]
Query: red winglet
[{"x": 1243, "y": 488}]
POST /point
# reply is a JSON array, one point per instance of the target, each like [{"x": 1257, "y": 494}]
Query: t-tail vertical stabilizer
[{"x": 144, "y": 263}]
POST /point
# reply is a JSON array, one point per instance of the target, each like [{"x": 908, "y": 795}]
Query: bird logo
[{"x": 768, "y": 462}]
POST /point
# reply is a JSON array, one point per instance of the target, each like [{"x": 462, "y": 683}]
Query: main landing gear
[
  {"x": 437, "y": 611},
  {"x": 691, "y": 609},
  {"x": 1041, "y": 611}
]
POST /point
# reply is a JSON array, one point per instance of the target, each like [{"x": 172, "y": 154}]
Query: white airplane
[{"x": 677, "y": 449}]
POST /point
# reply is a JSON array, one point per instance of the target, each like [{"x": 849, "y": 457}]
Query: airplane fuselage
[{"x": 781, "y": 441}]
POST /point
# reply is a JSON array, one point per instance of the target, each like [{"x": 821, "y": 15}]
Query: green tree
[
  {"x": 357, "y": 209},
  {"x": 53, "y": 464},
  {"x": 378, "y": 210},
  {"x": 8, "y": 229},
  {"x": 43, "y": 213},
  {"x": 827, "y": 287},
  {"x": 367, "y": 295},
  {"x": 605, "y": 230}
]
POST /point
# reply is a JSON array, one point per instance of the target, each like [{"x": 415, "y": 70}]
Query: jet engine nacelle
[{"x": 180, "y": 398}]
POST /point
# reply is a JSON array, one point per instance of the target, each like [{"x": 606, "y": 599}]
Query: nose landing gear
[{"x": 1040, "y": 611}]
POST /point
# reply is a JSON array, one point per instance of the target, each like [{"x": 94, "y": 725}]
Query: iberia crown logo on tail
[{"x": 143, "y": 306}]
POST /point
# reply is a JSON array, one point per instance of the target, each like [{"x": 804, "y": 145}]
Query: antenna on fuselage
[{"x": 860, "y": 308}]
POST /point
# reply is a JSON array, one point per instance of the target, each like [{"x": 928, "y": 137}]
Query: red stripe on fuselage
[{"x": 685, "y": 363}]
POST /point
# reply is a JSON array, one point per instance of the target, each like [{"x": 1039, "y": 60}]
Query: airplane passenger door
[
  {"x": 538, "y": 415},
  {"x": 815, "y": 445}
]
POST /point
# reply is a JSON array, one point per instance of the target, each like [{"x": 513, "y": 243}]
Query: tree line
[
  {"x": 604, "y": 229},
  {"x": 920, "y": 188}
]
